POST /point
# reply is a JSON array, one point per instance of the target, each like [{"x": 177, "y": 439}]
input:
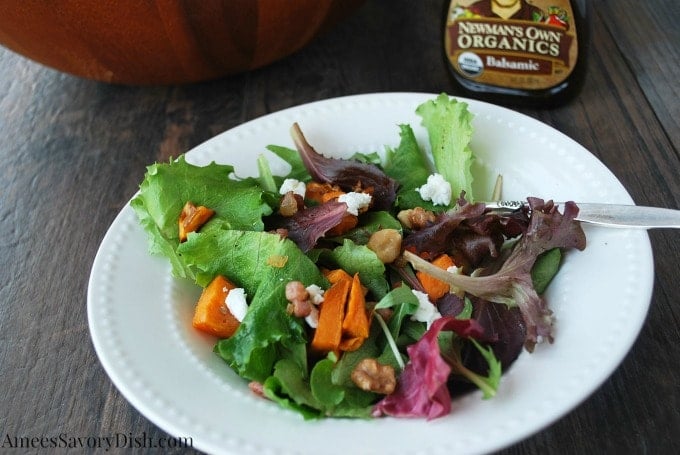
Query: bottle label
[{"x": 512, "y": 43}]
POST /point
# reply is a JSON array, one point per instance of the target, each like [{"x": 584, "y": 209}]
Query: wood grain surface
[{"x": 73, "y": 152}]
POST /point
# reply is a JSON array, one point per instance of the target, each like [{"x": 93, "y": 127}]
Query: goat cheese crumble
[
  {"x": 315, "y": 294},
  {"x": 296, "y": 186},
  {"x": 315, "y": 297},
  {"x": 236, "y": 303},
  {"x": 436, "y": 189},
  {"x": 355, "y": 201},
  {"x": 426, "y": 311},
  {"x": 313, "y": 319}
]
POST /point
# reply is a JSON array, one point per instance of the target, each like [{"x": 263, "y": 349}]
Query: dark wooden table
[{"x": 73, "y": 152}]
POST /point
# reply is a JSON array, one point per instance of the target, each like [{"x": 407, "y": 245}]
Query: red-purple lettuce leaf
[
  {"x": 347, "y": 174},
  {"x": 307, "y": 226},
  {"x": 466, "y": 231},
  {"x": 421, "y": 390},
  {"x": 512, "y": 283}
]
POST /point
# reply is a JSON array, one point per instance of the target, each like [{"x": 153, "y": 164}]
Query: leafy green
[
  {"x": 466, "y": 312},
  {"x": 449, "y": 126},
  {"x": 409, "y": 165},
  {"x": 368, "y": 158},
  {"x": 349, "y": 360},
  {"x": 487, "y": 384},
  {"x": 328, "y": 394},
  {"x": 289, "y": 387},
  {"x": 249, "y": 259},
  {"x": 545, "y": 268},
  {"x": 369, "y": 223},
  {"x": 339, "y": 399},
  {"x": 252, "y": 260},
  {"x": 353, "y": 258},
  {"x": 238, "y": 204},
  {"x": 292, "y": 157},
  {"x": 266, "y": 334},
  {"x": 319, "y": 395},
  {"x": 265, "y": 176},
  {"x": 403, "y": 303}
]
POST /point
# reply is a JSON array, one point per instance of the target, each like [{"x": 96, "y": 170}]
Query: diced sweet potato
[
  {"x": 355, "y": 325},
  {"x": 435, "y": 288},
  {"x": 328, "y": 331},
  {"x": 348, "y": 222},
  {"x": 315, "y": 191},
  {"x": 333, "y": 276},
  {"x": 192, "y": 218},
  {"x": 211, "y": 314}
]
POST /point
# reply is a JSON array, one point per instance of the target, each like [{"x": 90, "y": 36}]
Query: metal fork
[{"x": 611, "y": 215}]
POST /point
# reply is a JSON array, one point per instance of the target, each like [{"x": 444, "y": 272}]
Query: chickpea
[
  {"x": 299, "y": 308},
  {"x": 295, "y": 290},
  {"x": 298, "y": 296},
  {"x": 386, "y": 244}
]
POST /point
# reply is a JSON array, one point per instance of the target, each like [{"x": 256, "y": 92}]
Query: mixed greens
[{"x": 373, "y": 285}]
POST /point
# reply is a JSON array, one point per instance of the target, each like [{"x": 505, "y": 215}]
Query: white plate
[{"x": 140, "y": 317}]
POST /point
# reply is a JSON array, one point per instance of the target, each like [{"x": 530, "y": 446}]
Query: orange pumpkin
[{"x": 163, "y": 41}]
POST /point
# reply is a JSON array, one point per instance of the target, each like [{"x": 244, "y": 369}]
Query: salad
[{"x": 373, "y": 286}]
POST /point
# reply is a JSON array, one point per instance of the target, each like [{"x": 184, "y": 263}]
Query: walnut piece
[
  {"x": 416, "y": 218},
  {"x": 290, "y": 204},
  {"x": 371, "y": 376}
]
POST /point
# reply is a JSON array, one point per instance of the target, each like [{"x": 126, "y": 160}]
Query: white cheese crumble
[
  {"x": 426, "y": 311},
  {"x": 315, "y": 294},
  {"x": 236, "y": 303},
  {"x": 436, "y": 190},
  {"x": 355, "y": 201},
  {"x": 312, "y": 319},
  {"x": 296, "y": 186}
]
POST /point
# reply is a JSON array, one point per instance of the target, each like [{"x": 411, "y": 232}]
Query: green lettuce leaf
[
  {"x": 409, "y": 165},
  {"x": 267, "y": 180},
  {"x": 370, "y": 223},
  {"x": 353, "y": 258},
  {"x": 292, "y": 157},
  {"x": 449, "y": 127},
  {"x": 328, "y": 394},
  {"x": 262, "y": 264},
  {"x": 289, "y": 387},
  {"x": 238, "y": 204},
  {"x": 403, "y": 303},
  {"x": 368, "y": 158},
  {"x": 489, "y": 383},
  {"x": 339, "y": 399},
  {"x": 545, "y": 268},
  {"x": 266, "y": 334}
]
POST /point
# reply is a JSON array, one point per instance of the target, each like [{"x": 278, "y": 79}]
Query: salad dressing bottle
[{"x": 522, "y": 52}]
